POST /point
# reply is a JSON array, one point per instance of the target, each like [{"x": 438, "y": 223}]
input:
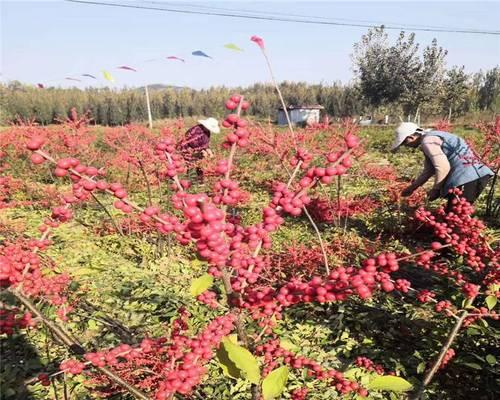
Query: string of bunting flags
[{"x": 108, "y": 76}]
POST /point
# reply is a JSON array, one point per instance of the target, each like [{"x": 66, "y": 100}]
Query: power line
[
  {"x": 277, "y": 13},
  {"x": 281, "y": 19}
]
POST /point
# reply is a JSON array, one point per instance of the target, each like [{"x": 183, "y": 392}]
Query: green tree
[
  {"x": 388, "y": 74},
  {"x": 455, "y": 88},
  {"x": 489, "y": 93}
]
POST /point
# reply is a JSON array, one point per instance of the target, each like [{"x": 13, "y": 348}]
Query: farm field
[{"x": 286, "y": 266}]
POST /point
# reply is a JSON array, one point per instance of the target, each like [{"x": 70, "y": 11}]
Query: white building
[{"x": 300, "y": 114}]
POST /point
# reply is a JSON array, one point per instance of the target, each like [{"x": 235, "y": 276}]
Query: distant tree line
[
  {"x": 116, "y": 107},
  {"x": 391, "y": 78}
]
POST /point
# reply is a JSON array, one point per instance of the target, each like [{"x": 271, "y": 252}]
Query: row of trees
[
  {"x": 115, "y": 107},
  {"x": 391, "y": 78}
]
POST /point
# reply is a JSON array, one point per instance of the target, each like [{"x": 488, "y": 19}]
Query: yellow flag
[
  {"x": 108, "y": 76},
  {"x": 232, "y": 46}
]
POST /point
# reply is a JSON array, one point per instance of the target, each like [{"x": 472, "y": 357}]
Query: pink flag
[
  {"x": 258, "y": 40},
  {"x": 175, "y": 58},
  {"x": 40, "y": 85}
]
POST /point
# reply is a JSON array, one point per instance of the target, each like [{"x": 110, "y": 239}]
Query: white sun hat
[
  {"x": 404, "y": 130},
  {"x": 211, "y": 124}
]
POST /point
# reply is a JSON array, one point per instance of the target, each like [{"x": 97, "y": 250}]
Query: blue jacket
[{"x": 465, "y": 166}]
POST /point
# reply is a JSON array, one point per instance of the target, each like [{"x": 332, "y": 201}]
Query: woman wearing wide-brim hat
[{"x": 196, "y": 144}]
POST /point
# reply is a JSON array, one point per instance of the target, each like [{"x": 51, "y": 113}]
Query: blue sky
[{"x": 46, "y": 41}]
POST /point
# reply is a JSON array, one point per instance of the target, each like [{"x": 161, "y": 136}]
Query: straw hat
[{"x": 211, "y": 124}]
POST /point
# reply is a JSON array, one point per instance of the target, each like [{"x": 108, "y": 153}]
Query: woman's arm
[
  {"x": 431, "y": 146},
  {"x": 424, "y": 176}
]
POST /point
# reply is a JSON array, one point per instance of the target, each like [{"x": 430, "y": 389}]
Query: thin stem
[
  {"x": 65, "y": 388},
  {"x": 75, "y": 346},
  {"x": 338, "y": 200},
  {"x": 148, "y": 186},
  {"x": 295, "y": 171},
  {"x": 321, "y": 244},
  {"x": 113, "y": 221},
  {"x": 230, "y": 158},
  {"x": 290, "y": 127},
  {"x": 451, "y": 338}
]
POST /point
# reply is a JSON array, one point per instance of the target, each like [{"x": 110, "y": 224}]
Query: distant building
[{"x": 300, "y": 114}]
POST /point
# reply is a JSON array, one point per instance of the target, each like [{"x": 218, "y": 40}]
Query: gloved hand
[
  {"x": 433, "y": 194},
  {"x": 407, "y": 191}
]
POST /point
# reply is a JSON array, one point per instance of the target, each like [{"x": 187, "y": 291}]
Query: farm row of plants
[
  {"x": 286, "y": 266},
  {"x": 291, "y": 268}
]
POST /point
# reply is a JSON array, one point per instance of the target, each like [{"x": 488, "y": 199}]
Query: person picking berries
[
  {"x": 448, "y": 158},
  {"x": 197, "y": 139},
  {"x": 196, "y": 143}
]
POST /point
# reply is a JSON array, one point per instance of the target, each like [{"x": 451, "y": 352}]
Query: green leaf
[
  {"x": 473, "y": 366},
  {"x": 491, "y": 302},
  {"x": 490, "y": 359},
  {"x": 229, "y": 368},
  {"x": 420, "y": 367},
  {"x": 473, "y": 332},
  {"x": 288, "y": 345},
  {"x": 243, "y": 360},
  {"x": 352, "y": 373},
  {"x": 467, "y": 303},
  {"x": 92, "y": 324},
  {"x": 199, "y": 285},
  {"x": 390, "y": 383},
  {"x": 274, "y": 384}
]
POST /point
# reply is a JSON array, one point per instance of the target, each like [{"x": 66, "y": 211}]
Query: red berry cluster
[
  {"x": 228, "y": 192},
  {"x": 111, "y": 357},
  {"x": 12, "y": 319},
  {"x": 222, "y": 167},
  {"x": 148, "y": 214},
  {"x": 274, "y": 354},
  {"x": 443, "y": 306},
  {"x": 462, "y": 231},
  {"x": 324, "y": 209},
  {"x": 61, "y": 214},
  {"x": 21, "y": 264},
  {"x": 190, "y": 355},
  {"x": 290, "y": 201},
  {"x": 338, "y": 286},
  {"x": 209, "y": 298},
  {"x": 73, "y": 367},
  {"x": 427, "y": 260},
  {"x": 35, "y": 143},
  {"x": 165, "y": 150},
  {"x": 482, "y": 312},
  {"x": 366, "y": 363},
  {"x": 303, "y": 156},
  {"x": 240, "y": 134},
  {"x": 234, "y": 101},
  {"x": 470, "y": 290},
  {"x": 44, "y": 379},
  {"x": 67, "y": 166},
  {"x": 300, "y": 394},
  {"x": 425, "y": 296},
  {"x": 450, "y": 353},
  {"x": 18, "y": 264},
  {"x": 402, "y": 285}
]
